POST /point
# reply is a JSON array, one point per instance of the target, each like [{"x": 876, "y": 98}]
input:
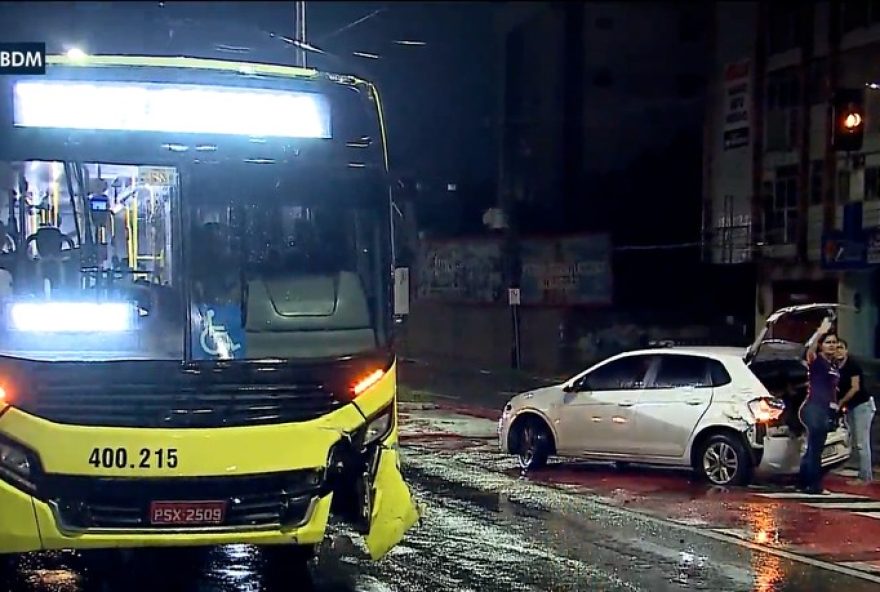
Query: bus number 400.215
[{"x": 146, "y": 458}]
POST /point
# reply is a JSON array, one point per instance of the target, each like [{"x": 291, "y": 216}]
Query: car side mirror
[{"x": 575, "y": 387}]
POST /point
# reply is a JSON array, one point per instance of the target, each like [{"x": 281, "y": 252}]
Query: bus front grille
[{"x": 177, "y": 406}]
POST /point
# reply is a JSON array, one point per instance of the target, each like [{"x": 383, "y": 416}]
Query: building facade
[
  {"x": 777, "y": 196},
  {"x": 589, "y": 88}
]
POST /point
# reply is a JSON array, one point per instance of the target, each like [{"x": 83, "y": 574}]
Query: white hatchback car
[{"x": 728, "y": 413}]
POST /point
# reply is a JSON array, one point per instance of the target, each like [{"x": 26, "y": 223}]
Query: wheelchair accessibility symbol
[{"x": 215, "y": 339}]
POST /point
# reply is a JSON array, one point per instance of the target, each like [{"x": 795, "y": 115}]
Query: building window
[
  {"x": 603, "y": 78},
  {"x": 843, "y": 178},
  {"x": 817, "y": 84},
  {"x": 781, "y": 208},
  {"x": 854, "y": 15},
  {"x": 690, "y": 27},
  {"x": 784, "y": 31},
  {"x": 783, "y": 90},
  {"x": 817, "y": 176},
  {"x": 605, "y": 23},
  {"x": 689, "y": 86},
  {"x": 872, "y": 183}
]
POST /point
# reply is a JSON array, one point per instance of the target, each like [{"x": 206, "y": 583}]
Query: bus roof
[{"x": 276, "y": 70}]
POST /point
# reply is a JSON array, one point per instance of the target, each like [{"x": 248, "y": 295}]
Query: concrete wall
[{"x": 553, "y": 340}]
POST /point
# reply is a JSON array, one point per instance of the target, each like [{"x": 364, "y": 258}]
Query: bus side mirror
[{"x": 401, "y": 293}]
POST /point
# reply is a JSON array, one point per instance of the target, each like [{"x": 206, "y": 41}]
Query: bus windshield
[{"x": 109, "y": 261}]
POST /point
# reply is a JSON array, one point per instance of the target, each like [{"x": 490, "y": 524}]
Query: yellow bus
[{"x": 197, "y": 311}]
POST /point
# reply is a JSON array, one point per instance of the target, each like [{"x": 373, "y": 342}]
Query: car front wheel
[
  {"x": 724, "y": 460},
  {"x": 534, "y": 443}
]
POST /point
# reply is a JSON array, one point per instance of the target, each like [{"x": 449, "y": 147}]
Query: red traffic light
[
  {"x": 852, "y": 120},
  {"x": 848, "y": 127}
]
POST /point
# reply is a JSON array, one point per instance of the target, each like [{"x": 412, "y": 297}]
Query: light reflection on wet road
[{"x": 486, "y": 529}]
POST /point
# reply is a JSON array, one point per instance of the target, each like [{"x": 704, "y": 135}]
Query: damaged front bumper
[
  {"x": 370, "y": 492},
  {"x": 281, "y": 484}
]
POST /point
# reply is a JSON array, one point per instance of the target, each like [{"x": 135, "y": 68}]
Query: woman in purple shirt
[{"x": 816, "y": 411}]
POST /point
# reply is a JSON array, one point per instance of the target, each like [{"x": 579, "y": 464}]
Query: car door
[
  {"x": 672, "y": 404},
  {"x": 597, "y": 412}
]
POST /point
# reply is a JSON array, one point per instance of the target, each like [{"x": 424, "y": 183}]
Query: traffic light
[{"x": 848, "y": 119}]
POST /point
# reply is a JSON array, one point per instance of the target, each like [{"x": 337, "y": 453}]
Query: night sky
[{"x": 439, "y": 98}]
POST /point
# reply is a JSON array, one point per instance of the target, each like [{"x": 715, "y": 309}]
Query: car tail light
[{"x": 766, "y": 410}]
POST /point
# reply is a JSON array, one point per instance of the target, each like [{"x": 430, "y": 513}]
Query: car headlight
[
  {"x": 378, "y": 427},
  {"x": 15, "y": 465}
]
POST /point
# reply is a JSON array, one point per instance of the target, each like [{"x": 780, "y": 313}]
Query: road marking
[
  {"x": 863, "y": 565},
  {"x": 728, "y": 537},
  {"x": 869, "y": 514},
  {"x": 718, "y": 535},
  {"x": 857, "y": 506},
  {"x": 735, "y": 540},
  {"x": 798, "y": 496}
]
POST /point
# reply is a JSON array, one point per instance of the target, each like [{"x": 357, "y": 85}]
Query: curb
[
  {"x": 443, "y": 435},
  {"x": 439, "y": 401},
  {"x": 472, "y": 411},
  {"x": 480, "y": 412}
]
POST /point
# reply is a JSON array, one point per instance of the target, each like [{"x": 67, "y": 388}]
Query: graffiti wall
[
  {"x": 461, "y": 271},
  {"x": 567, "y": 271}
]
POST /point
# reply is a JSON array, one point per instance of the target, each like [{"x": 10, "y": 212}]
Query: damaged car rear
[
  {"x": 777, "y": 358},
  {"x": 728, "y": 414}
]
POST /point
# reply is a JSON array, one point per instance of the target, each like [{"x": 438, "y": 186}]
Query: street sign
[
  {"x": 513, "y": 296},
  {"x": 840, "y": 252}
]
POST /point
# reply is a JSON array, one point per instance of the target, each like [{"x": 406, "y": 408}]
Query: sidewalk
[{"x": 485, "y": 391}]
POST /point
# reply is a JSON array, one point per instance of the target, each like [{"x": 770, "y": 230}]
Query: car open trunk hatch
[
  {"x": 777, "y": 356},
  {"x": 787, "y": 331}
]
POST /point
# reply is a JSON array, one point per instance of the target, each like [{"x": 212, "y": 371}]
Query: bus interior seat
[
  {"x": 54, "y": 263},
  {"x": 318, "y": 314}
]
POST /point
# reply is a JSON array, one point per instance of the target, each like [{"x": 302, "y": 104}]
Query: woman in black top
[{"x": 859, "y": 406}]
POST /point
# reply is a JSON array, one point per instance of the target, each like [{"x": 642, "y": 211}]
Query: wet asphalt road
[{"x": 486, "y": 529}]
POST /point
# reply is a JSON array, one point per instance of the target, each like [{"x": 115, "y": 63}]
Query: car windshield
[{"x": 210, "y": 262}]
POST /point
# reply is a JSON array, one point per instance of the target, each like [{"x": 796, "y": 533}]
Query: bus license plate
[{"x": 187, "y": 513}]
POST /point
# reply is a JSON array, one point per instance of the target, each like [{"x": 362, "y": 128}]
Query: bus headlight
[
  {"x": 379, "y": 427},
  {"x": 71, "y": 317},
  {"x": 15, "y": 464}
]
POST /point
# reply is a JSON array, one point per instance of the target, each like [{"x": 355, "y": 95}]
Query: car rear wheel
[
  {"x": 534, "y": 443},
  {"x": 723, "y": 460}
]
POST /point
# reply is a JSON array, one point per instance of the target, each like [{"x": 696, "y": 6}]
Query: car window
[
  {"x": 622, "y": 374},
  {"x": 679, "y": 371},
  {"x": 719, "y": 374}
]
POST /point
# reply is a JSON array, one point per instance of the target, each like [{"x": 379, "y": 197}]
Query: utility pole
[{"x": 299, "y": 31}]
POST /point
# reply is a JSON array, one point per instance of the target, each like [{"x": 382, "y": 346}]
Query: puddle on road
[{"x": 765, "y": 521}]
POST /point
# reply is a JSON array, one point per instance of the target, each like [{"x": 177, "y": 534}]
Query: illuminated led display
[{"x": 185, "y": 108}]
